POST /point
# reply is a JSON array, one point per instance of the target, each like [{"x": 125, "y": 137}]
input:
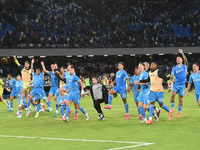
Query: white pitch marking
[
  {"x": 143, "y": 144},
  {"x": 83, "y": 140}
]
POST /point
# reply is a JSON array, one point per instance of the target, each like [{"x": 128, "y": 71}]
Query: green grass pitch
[{"x": 176, "y": 134}]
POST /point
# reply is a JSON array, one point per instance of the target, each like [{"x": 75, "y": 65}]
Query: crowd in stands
[{"x": 99, "y": 23}]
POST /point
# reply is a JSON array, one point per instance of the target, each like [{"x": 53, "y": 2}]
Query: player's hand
[
  {"x": 138, "y": 90},
  {"x": 136, "y": 82},
  {"x": 56, "y": 72},
  {"x": 173, "y": 81},
  {"x": 14, "y": 56},
  {"x": 82, "y": 95},
  {"x": 187, "y": 93},
  {"x": 42, "y": 63},
  {"x": 180, "y": 51},
  {"x": 128, "y": 90},
  {"x": 33, "y": 60}
]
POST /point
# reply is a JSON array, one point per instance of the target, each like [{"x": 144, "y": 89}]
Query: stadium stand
[{"x": 92, "y": 24}]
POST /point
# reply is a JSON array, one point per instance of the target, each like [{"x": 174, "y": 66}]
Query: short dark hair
[
  {"x": 121, "y": 63},
  {"x": 155, "y": 62},
  {"x": 179, "y": 56},
  {"x": 19, "y": 75},
  {"x": 95, "y": 78},
  {"x": 195, "y": 63},
  {"x": 72, "y": 66},
  {"x": 136, "y": 67},
  {"x": 27, "y": 62},
  {"x": 10, "y": 74},
  {"x": 37, "y": 69}
]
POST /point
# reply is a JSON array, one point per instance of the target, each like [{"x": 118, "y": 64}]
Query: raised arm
[
  {"x": 59, "y": 75},
  {"x": 44, "y": 68},
  {"x": 32, "y": 62},
  {"x": 184, "y": 57},
  {"x": 16, "y": 61}
]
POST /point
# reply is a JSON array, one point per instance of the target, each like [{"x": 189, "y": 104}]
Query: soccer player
[
  {"x": 143, "y": 95},
  {"x": 2, "y": 86},
  {"x": 156, "y": 89},
  {"x": 195, "y": 78},
  {"x": 19, "y": 87},
  {"x": 26, "y": 72},
  {"x": 64, "y": 89},
  {"x": 58, "y": 98},
  {"x": 13, "y": 90},
  {"x": 54, "y": 83},
  {"x": 135, "y": 88},
  {"x": 121, "y": 77},
  {"x": 74, "y": 93},
  {"x": 180, "y": 74},
  {"x": 158, "y": 111},
  {"x": 38, "y": 83}
]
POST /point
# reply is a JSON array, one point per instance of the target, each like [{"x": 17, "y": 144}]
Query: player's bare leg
[
  {"x": 11, "y": 104},
  {"x": 110, "y": 93},
  {"x": 180, "y": 106},
  {"x": 172, "y": 104}
]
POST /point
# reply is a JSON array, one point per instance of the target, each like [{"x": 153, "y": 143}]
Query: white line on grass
[{"x": 84, "y": 140}]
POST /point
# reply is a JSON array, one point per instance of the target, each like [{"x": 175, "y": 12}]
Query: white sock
[
  {"x": 157, "y": 109},
  {"x": 150, "y": 118}
]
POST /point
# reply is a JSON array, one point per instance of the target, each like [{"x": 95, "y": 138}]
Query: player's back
[
  {"x": 180, "y": 74},
  {"x": 121, "y": 77},
  {"x": 19, "y": 86},
  {"x": 38, "y": 80},
  {"x": 54, "y": 79},
  {"x": 143, "y": 76},
  {"x": 12, "y": 83},
  {"x": 134, "y": 78}
]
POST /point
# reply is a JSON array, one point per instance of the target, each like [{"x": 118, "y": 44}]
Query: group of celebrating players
[{"x": 147, "y": 89}]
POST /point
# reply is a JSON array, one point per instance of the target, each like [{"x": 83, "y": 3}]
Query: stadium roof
[{"x": 95, "y": 51}]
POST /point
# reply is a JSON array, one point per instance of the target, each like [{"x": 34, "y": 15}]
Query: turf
[{"x": 180, "y": 133}]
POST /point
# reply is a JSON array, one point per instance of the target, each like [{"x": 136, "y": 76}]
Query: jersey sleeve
[
  {"x": 1, "y": 82},
  {"x": 190, "y": 80},
  {"x": 131, "y": 81},
  {"x": 126, "y": 75},
  {"x": 76, "y": 78}
]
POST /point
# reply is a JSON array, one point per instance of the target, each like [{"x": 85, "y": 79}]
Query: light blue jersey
[
  {"x": 12, "y": 83},
  {"x": 121, "y": 77},
  {"x": 38, "y": 83},
  {"x": 195, "y": 78},
  {"x": 54, "y": 79},
  {"x": 73, "y": 82},
  {"x": 19, "y": 86},
  {"x": 143, "y": 76},
  {"x": 38, "y": 80},
  {"x": 180, "y": 74},
  {"x": 133, "y": 79},
  {"x": 67, "y": 76},
  {"x": 135, "y": 92}
]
